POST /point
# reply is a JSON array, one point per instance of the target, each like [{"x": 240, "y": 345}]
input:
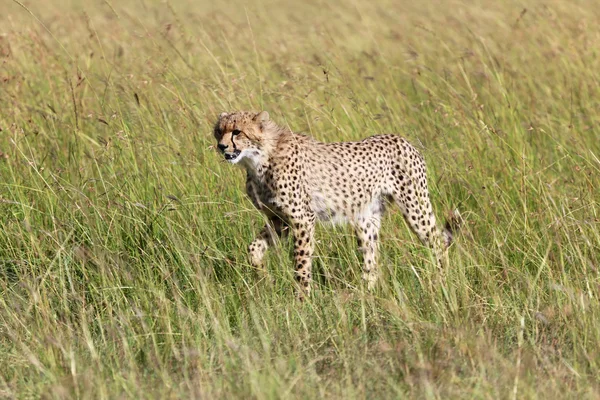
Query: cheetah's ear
[
  {"x": 262, "y": 116},
  {"x": 222, "y": 115}
]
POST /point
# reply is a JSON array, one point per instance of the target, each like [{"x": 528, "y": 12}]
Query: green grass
[{"x": 123, "y": 271}]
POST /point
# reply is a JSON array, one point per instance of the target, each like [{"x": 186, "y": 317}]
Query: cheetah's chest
[{"x": 266, "y": 198}]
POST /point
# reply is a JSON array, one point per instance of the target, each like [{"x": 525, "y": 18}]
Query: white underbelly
[{"x": 326, "y": 210}]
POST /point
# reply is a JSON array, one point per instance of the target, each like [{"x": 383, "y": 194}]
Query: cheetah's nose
[{"x": 222, "y": 146}]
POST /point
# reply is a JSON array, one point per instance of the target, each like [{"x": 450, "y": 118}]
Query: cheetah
[{"x": 296, "y": 180}]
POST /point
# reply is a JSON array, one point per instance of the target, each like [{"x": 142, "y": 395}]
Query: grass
[{"x": 123, "y": 271}]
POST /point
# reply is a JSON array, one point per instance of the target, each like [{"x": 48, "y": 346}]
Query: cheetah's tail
[{"x": 452, "y": 226}]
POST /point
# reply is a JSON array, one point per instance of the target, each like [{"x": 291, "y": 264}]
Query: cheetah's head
[{"x": 240, "y": 135}]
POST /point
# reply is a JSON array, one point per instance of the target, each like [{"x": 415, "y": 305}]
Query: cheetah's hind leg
[
  {"x": 367, "y": 235},
  {"x": 410, "y": 193}
]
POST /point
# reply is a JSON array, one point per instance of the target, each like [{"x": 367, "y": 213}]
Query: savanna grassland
[{"x": 123, "y": 234}]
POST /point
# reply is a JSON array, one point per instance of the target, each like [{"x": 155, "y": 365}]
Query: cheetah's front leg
[
  {"x": 303, "y": 230},
  {"x": 265, "y": 238}
]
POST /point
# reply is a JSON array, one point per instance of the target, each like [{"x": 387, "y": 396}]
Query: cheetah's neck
[{"x": 255, "y": 162}]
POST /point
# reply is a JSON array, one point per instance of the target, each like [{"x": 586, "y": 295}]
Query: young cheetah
[{"x": 296, "y": 180}]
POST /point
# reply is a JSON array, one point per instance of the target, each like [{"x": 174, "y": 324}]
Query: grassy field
[{"x": 123, "y": 271}]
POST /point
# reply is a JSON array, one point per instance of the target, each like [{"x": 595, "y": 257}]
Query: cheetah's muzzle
[{"x": 232, "y": 156}]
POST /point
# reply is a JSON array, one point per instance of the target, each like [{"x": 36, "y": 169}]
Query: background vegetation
[{"x": 123, "y": 271}]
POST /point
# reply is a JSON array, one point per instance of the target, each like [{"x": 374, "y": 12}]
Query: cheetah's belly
[{"x": 326, "y": 210}]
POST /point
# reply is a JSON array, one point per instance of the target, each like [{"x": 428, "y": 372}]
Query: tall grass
[{"x": 123, "y": 270}]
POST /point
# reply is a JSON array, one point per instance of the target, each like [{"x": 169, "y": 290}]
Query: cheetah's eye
[{"x": 236, "y": 132}]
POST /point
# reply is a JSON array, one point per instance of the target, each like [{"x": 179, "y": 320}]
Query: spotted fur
[{"x": 296, "y": 180}]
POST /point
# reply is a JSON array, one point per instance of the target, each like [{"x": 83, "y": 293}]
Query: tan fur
[{"x": 296, "y": 180}]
